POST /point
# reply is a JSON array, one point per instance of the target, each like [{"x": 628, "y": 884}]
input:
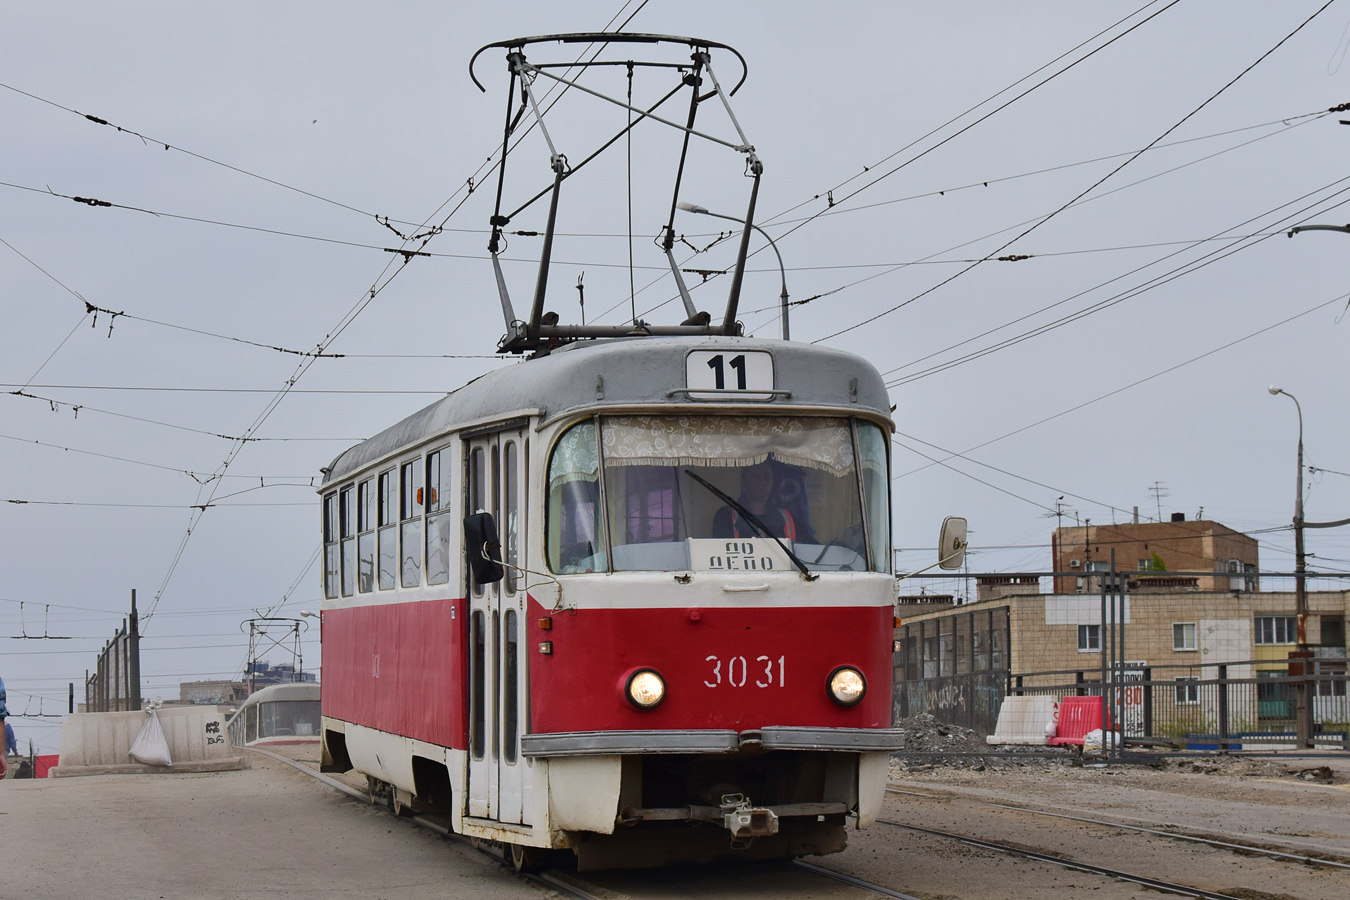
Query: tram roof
[
  {"x": 641, "y": 371},
  {"x": 307, "y": 690}
]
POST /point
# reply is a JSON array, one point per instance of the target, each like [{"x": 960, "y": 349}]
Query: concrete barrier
[
  {"x": 1022, "y": 720},
  {"x": 100, "y": 743}
]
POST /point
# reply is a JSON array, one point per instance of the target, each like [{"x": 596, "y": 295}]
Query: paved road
[{"x": 264, "y": 832}]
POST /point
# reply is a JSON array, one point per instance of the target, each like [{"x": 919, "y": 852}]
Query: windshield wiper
[{"x": 754, "y": 520}]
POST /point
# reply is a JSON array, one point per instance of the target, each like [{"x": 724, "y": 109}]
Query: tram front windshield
[{"x": 795, "y": 486}]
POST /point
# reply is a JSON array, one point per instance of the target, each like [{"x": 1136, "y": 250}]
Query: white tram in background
[
  {"x": 632, "y": 597},
  {"x": 278, "y": 714}
]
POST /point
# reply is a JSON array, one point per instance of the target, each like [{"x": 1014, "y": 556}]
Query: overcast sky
[{"x": 1130, "y": 351}]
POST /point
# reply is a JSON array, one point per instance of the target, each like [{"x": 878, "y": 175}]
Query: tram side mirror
[
  {"x": 480, "y": 536},
  {"x": 952, "y": 543}
]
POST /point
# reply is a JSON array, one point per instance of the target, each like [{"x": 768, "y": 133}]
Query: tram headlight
[
  {"x": 645, "y": 688},
  {"x": 847, "y": 686}
]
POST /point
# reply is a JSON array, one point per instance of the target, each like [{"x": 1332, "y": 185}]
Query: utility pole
[
  {"x": 134, "y": 651},
  {"x": 1299, "y": 669}
]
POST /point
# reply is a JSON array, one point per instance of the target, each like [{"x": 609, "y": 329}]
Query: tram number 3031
[{"x": 739, "y": 671}]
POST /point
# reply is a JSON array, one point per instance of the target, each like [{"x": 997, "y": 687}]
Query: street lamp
[
  {"x": 1300, "y": 589},
  {"x": 699, "y": 210},
  {"x": 1297, "y": 228}
]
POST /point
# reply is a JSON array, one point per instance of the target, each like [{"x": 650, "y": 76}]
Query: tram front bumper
[
  {"x": 736, "y": 814},
  {"x": 770, "y": 737}
]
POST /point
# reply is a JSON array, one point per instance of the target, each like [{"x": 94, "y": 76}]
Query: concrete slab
[
  {"x": 263, "y": 832},
  {"x": 100, "y": 743},
  {"x": 1022, "y": 720}
]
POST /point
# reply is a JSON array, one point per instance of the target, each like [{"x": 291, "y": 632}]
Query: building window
[
  {"x": 1089, "y": 638},
  {"x": 1188, "y": 690},
  {"x": 1183, "y": 636},
  {"x": 1276, "y": 629}
]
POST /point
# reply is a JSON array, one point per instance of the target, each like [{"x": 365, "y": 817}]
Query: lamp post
[
  {"x": 1301, "y": 651},
  {"x": 699, "y": 210}
]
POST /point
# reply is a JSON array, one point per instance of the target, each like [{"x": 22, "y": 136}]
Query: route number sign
[{"x": 729, "y": 374}]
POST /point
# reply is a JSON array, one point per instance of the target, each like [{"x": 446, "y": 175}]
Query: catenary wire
[
  {"x": 215, "y": 162},
  {"x": 389, "y": 272},
  {"x": 1091, "y": 187},
  {"x": 1186, "y": 268},
  {"x": 867, "y": 169},
  {"x": 308, "y": 480},
  {"x": 1102, "y": 195},
  {"x": 964, "y": 455},
  {"x": 56, "y": 404}
]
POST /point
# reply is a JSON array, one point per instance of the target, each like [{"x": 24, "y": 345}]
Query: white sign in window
[
  {"x": 738, "y": 555},
  {"x": 729, "y": 374}
]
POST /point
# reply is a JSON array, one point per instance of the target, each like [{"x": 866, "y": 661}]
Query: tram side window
[
  {"x": 876, "y": 485},
  {"x": 347, "y": 513},
  {"x": 575, "y": 536},
  {"x": 511, "y": 513},
  {"x": 388, "y": 530},
  {"x": 438, "y": 516},
  {"x": 477, "y": 492},
  {"x": 330, "y": 546},
  {"x": 477, "y": 691},
  {"x": 410, "y": 516},
  {"x": 365, "y": 540},
  {"x": 511, "y": 690}
]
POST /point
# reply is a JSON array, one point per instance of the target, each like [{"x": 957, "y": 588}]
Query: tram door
[{"x": 498, "y": 690}]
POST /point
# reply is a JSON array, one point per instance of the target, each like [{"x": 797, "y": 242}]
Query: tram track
[
  {"x": 545, "y": 879},
  {"x": 1236, "y": 847},
  {"x": 1064, "y": 862},
  {"x": 548, "y": 879}
]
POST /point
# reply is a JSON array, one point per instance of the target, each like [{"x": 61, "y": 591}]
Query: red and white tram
[
  {"x": 639, "y": 683},
  {"x": 631, "y": 597}
]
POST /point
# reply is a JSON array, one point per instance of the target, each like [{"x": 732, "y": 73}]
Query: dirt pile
[{"x": 925, "y": 734}]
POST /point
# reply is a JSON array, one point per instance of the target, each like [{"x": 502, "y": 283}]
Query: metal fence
[
  {"x": 115, "y": 684},
  {"x": 1224, "y": 706},
  {"x": 955, "y": 668}
]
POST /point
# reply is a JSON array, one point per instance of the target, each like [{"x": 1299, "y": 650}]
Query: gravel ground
[{"x": 946, "y": 778}]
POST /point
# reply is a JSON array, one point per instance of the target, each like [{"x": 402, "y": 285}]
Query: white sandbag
[
  {"x": 151, "y": 747},
  {"x": 1093, "y": 740}
]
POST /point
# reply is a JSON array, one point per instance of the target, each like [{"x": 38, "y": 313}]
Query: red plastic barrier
[
  {"x": 1078, "y": 716},
  {"x": 42, "y": 764}
]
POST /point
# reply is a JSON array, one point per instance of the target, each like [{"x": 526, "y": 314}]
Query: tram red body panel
[
  {"x": 398, "y": 667},
  {"x": 580, "y": 685}
]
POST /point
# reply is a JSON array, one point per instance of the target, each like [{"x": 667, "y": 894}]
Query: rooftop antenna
[
  {"x": 1159, "y": 491},
  {"x": 1057, "y": 513}
]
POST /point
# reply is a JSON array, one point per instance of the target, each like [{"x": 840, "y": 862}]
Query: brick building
[
  {"x": 949, "y": 660},
  {"x": 1178, "y": 546}
]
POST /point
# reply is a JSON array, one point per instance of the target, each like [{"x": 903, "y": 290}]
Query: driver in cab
[{"x": 757, "y": 484}]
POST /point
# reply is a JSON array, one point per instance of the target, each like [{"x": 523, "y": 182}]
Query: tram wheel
[
  {"x": 522, "y": 858},
  {"x": 394, "y": 804}
]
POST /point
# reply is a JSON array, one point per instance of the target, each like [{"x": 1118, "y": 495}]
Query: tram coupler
[{"x": 746, "y": 821}]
